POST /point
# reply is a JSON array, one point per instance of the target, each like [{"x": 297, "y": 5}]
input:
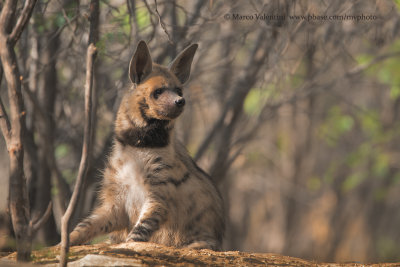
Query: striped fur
[{"x": 152, "y": 190}]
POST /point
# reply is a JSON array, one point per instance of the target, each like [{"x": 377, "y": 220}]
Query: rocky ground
[{"x": 148, "y": 254}]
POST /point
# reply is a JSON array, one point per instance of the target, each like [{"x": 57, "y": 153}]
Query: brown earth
[{"x": 148, "y": 254}]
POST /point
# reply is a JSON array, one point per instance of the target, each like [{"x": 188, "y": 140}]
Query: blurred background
[{"x": 293, "y": 108}]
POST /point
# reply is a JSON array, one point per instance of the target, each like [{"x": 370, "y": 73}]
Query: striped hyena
[{"x": 152, "y": 190}]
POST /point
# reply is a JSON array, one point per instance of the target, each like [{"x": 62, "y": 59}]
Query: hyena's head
[{"x": 158, "y": 90}]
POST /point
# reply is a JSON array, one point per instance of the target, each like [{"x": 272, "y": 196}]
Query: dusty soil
[{"x": 148, "y": 254}]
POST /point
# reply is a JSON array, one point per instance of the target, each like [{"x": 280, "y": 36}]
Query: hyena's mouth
[{"x": 170, "y": 114}]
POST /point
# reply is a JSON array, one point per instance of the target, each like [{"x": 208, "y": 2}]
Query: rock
[{"x": 101, "y": 260}]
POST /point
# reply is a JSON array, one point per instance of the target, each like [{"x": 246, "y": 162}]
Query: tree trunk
[
  {"x": 18, "y": 202},
  {"x": 47, "y": 92}
]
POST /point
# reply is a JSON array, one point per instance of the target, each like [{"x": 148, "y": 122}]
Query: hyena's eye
[
  {"x": 179, "y": 91},
  {"x": 157, "y": 93}
]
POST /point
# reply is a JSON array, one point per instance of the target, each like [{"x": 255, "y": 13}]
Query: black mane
[{"x": 155, "y": 134}]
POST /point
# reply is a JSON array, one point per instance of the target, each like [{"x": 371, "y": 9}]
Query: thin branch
[
  {"x": 1, "y": 75},
  {"x": 7, "y": 15},
  {"x": 94, "y": 22},
  {"x": 163, "y": 24},
  {"x": 4, "y": 121},
  {"x": 64, "y": 194},
  {"x": 131, "y": 4},
  {"x": 153, "y": 24},
  {"x": 86, "y": 151},
  {"x": 68, "y": 22},
  {"x": 22, "y": 20},
  {"x": 357, "y": 70},
  {"x": 37, "y": 224}
]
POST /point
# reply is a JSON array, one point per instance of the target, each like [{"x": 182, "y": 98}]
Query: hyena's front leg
[
  {"x": 104, "y": 219},
  {"x": 153, "y": 214}
]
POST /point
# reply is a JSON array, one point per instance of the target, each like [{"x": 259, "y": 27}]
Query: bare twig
[
  {"x": 22, "y": 20},
  {"x": 68, "y": 21},
  {"x": 7, "y": 15},
  {"x": 1, "y": 74},
  {"x": 64, "y": 194},
  {"x": 163, "y": 24},
  {"x": 86, "y": 150},
  {"x": 131, "y": 4},
  {"x": 94, "y": 22},
  {"x": 88, "y": 133},
  {"x": 357, "y": 70},
  {"x": 153, "y": 24},
  {"x": 4, "y": 121},
  {"x": 37, "y": 224}
]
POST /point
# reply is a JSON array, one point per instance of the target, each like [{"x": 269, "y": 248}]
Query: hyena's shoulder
[
  {"x": 183, "y": 156},
  {"x": 202, "y": 179}
]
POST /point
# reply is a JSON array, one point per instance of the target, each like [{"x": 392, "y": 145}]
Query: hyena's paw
[
  {"x": 143, "y": 231},
  {"x": 118, "y": 237},
  {"x": 135, "y": 238},
  {"x": 75, "y": 238},
  {"x": 204, "y": 245},
  {"x": 138, "y": 235}
]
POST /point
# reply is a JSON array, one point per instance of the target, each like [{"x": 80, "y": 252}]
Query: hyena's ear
[
  {"x": 141, "y": 64},
  {"x": 180, "y": 66}
]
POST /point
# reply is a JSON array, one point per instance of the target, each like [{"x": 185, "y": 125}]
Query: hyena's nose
[{"x": 180, "y": 102}]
